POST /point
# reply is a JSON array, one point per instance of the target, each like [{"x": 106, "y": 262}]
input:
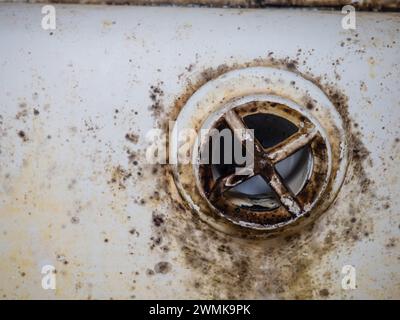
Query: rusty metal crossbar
[{"x": 264, "y": 162}]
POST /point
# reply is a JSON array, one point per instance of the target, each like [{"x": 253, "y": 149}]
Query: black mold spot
[
  {"x": 162, "y": 267},
  {"x": 324, "y": 293},
  {"x": 156, "y": 94},
  {"x": 132, "y": 137},
  {"x": 75, "y": 220},
  {"x": 158, "y": 219},
  {"x": 23, "y": 135},
  {"x": 309, "y": 105}
]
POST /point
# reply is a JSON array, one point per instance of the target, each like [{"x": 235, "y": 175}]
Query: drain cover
[{"x": 299, "y": 153}]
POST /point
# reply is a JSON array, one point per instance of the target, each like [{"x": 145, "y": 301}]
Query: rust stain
[
  {"x": 223, "y": 266},
  {"x": 284, "y": 267},
  {"x": 215, "y": 189},
  {"x": 244, "y": 4}
]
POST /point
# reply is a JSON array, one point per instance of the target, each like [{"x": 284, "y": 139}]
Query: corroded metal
[
  {"x": 231, "y": 98},
  {"x": 264, "y": 166},
  {"x": 292, "y": 144}
]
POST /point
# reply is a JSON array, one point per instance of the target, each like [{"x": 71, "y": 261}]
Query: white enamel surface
[{"x": 90, "y": 66}]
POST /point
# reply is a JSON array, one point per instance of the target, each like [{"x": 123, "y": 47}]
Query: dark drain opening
[
  {"x": 270, "y": 129},
  {"x": 256, "y": 193}
]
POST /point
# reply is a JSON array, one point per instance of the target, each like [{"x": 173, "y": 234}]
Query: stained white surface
[{"x": 100, "y": 59}]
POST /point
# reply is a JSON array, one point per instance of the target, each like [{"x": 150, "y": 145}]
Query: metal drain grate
[
  {"x": 299, "y": 153},
  {"x": 243, "y": 209}
]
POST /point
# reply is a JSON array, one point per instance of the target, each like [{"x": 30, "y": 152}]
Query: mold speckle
[
  {"x": 132, "y": 137},
  {"x": 119, "y": 177},
  {"x": 133, "y": 231},
  {"x": 391, "y": 243},
  {"x": 324, "y": 293},
  {"x": 156, "y": 94},
  {"x": 149, "y": 272},
  {"x": 158, "y": 219},
  {"x": 75, "y": 220},
  {"x": 162, "y": 267},
  {"x": 23, "y": 136},
  {"x": 230, "y": 267}
]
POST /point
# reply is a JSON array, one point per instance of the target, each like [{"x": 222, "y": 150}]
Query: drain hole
[
  {"x": 294, "y": 170},
  {"x": 270, "y": 129},
  {"x": 256, "y": 193}
]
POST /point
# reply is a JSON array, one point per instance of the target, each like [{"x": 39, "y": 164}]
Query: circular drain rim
[
  {"x": 280, "y": 86},
  {"x": 292, "y": 206}
]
